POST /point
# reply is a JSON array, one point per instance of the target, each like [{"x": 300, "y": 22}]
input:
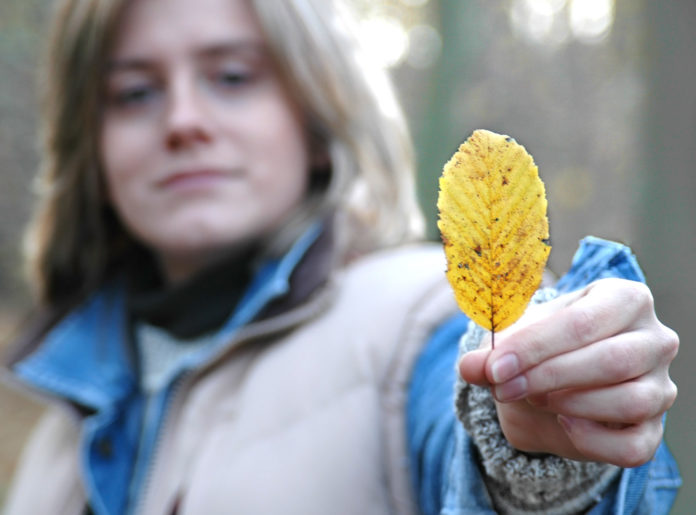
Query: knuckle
[
  {"x": 636, "y": 298},
  {"x": 641, "y": 293},
  {"x": 628, "y": 292},
  {"x": 544, "y": 378},
  {"x": 638, "y": 295},
  {"x": 531, "y": 347},
  {"x": 644, "y": 403},
  {"x": 640, "y": 447},
  {"x": 619, "y": 361},
  {"x": 632, "y": 456},
  {"x": 583, "y": 325},
  {"x": 669, "y": 342},
  {"x": 671, "y": 394}
]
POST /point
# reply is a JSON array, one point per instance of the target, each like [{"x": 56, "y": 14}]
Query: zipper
[
  {"x": 265, "y": 286},
  {"x": 155, "y": 413}
]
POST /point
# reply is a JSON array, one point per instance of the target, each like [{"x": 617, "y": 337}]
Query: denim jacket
[{"x": 446, "y": 472}]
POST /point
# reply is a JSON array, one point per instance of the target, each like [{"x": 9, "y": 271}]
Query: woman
[{"x": 231, "y": 318}]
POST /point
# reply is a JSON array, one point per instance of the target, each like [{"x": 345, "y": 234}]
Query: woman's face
[{"x": 202, "y": 146}]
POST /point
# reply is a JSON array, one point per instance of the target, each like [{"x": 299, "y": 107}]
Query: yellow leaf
[{"x": 494, "y": 228}]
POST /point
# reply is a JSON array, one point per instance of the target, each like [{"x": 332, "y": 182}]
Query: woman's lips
[{"x": 193, "y": 179}]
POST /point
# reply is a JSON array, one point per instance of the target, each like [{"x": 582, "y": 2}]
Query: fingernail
[
  {"x": 504, "y": 368},
  {"x": 512, "y": 390},
  {"x": 566, "y": 422}
]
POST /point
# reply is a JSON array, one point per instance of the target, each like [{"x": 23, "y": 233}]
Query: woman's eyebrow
[
  {"x": 232, "y": 48},
  {"x": 253, "y": 49},
  {"x": 129, "y": 64}
]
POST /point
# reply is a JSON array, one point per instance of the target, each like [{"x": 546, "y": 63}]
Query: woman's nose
[{"x": 188, "y": 121}]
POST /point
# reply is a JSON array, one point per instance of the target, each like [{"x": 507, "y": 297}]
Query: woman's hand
[{"x": 585, "y": 376}]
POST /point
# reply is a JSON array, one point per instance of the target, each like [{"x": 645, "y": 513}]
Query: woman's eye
[
  {"x": 132, "y": 96},
  {"x": 233, "y": 78}
]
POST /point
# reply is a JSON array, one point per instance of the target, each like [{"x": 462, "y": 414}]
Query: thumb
[{"x": 472, "y": 367}]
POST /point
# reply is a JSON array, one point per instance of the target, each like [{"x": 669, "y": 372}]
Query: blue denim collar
[{"x": 85, "y": 358}]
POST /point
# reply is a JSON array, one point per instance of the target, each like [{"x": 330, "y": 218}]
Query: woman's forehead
[{"x": 211, "y": 26}]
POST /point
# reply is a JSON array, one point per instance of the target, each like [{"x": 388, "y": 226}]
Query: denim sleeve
[
  {"x": 430, "y": 415},
  {"x": 445, "y": 466}
]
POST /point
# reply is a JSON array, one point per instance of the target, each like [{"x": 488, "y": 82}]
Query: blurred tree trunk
[
  {"x": 435, "y": 136},
  {"x": 667, "y": 212}
]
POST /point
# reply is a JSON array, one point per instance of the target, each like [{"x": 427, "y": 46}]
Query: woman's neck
[{"x": 194, "y": 306}]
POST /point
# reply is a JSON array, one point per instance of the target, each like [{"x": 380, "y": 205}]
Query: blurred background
[{"x": 601, "y": 92}]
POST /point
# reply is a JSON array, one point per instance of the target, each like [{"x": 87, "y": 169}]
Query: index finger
[{"x": 601, "y": 310}]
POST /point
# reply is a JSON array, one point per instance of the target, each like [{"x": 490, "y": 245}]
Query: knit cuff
[{"x": 519, "y": 482}]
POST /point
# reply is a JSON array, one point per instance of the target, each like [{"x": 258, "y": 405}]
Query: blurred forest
[{"x": 600, "y": 92}]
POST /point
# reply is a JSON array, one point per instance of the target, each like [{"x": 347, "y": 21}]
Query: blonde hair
[{"x": 75, "y": 240}]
